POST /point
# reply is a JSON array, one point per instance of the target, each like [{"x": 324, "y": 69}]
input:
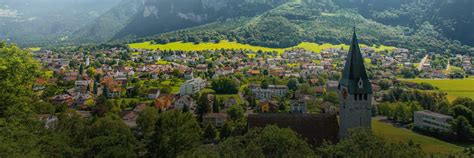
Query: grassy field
[
  {"x": 314, "y": 47},
  {"x": 428, "y": 144},
  {"x": 454, "y": 88}
]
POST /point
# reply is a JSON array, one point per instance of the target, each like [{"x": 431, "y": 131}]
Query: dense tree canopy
[{"x": 225, "y": 85}]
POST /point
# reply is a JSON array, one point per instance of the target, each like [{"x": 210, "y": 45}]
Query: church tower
[{"x": 355, "y": 107}]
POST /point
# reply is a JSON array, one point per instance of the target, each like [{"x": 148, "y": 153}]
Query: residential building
[
  {"x": 431, "y": 120},
  {"x": 268, "y": 107},
  {"x": 192, "y": 86},
  {"x": 271, "y": 92},
  {"x": 216, "y": 119},
  {"x": 298, "y": 106},
  {"x": 153, "y": 94},
  {"x": 184, "y": 101}
]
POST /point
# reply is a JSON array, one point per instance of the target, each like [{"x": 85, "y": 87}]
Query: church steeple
[
  {"x": 354, "y": 76},
  {"x": 355, "y": 105}
]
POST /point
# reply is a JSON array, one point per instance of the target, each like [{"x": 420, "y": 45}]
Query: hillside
[
  {"x": 309, "y": 21},
  {"x": 42, "y": 22},
  {"x": 149, "y": 17},
  {"x": 284, "y": 23}
]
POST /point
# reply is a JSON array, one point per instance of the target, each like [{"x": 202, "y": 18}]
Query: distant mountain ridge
[
  {"x": 150, "y": 17},
  {"x": 282, "y": 23}
]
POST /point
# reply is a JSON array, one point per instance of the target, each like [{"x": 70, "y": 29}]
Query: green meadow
[
  {"x": 314, "y": 47},
  {"x": 428, "y": 144},
  {"x": 454, "y": 87}
]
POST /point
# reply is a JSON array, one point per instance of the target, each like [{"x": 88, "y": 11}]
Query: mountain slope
[
  {"x": 316, "y": 21},
  {"x": 47, "y": 21},
  {"x": 149, "y": 17}
]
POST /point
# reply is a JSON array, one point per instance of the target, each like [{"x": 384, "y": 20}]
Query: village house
[
  {"x": 215, "y": 119},
  {"x": 298, "y": 106},
  {"x": 82, "y": 85},
  {"x": 185, "y": 101},
  {"x": 153, "y": 94},
  {"x": 268, "y": 106},
  {"x": 164, "y": 103},
  {"x": 62, "y": 99},
  {"x": 271, "y": 92}
]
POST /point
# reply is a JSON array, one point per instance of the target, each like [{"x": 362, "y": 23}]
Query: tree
[
  {"x": 225, "y": 85},
  {"x": 293, "y": 84},
  {"x": 264, "y": 84},
  {"x": 203, "y": 106},
  {"x": 18, "y": 71},
  {"x": 265, "y": 72},
  {"x": 467, "y": 102},
  {"x": 166, "y": 90},
  {"x": 109, "y": 137},
  {"x": 461, "y": 110},
  {"x": 81, "y": 69},
  {"x": 236, "y": 112},
  {"x": 363, "y": 143},
  {"x": 146, "y": 122},
  {"x": 210, "y": 133},
  {"x": 282, "y": 105},
  {"x": 331, "y": 97},
  {"x": 462, "y": 128},
  {"x": 226, "y": 131},
  {"x": 175, "y": 132},
  {"x": 270, "y": 141},
  {"x": 216, "y": 105}
]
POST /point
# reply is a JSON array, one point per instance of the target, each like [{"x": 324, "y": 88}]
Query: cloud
[{"x": 6, "y": 13}]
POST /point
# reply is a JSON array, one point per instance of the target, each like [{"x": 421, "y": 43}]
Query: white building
[
  {"x": 192, "y": 86},
  {"x": 431, "y": 120},
  {"x": 271, "y": 92}
]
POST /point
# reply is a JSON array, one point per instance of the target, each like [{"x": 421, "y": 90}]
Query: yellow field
[
  {"x": 428, "y": 144},
  {"x": 454, "y": 88},
  {"x": 34, "y": 49},
  {"x": 314, "y": 47},
  {"x": 201, "y": 46}
]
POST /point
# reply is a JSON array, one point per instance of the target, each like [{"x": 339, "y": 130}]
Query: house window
[
  {"x": 360, "y": 96},
  {"x": 365, "y": 96},
  {"x": 355, "y": 97}
]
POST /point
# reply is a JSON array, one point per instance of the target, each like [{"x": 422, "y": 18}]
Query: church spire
[{"x": 354, "y": 76}]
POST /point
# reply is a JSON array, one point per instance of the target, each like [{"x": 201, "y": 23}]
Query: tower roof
[{"x": 354, "y": 76}]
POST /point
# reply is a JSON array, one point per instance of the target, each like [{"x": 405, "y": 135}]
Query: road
[
  {"x": 420, "y": 66},
  {"x": 448, "y": 67}
]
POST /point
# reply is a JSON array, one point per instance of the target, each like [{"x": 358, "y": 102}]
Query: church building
[{"x": 355, "y": 92}]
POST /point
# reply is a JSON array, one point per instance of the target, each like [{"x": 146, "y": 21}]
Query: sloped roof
[
  {"x": 354, "y": 76},
  {"x": 314, "y": 128}
]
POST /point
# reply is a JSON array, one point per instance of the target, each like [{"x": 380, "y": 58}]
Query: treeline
[{"x": 400, "y": 104}]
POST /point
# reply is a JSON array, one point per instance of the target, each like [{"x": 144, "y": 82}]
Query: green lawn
[
  {"x": 175, "y": 87},
  {"x": 224, "y": 97},
  {"x": 234, "y": 45},
  {"x": 428, "y": 144},
  {"x": 454, "y": 88}
]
